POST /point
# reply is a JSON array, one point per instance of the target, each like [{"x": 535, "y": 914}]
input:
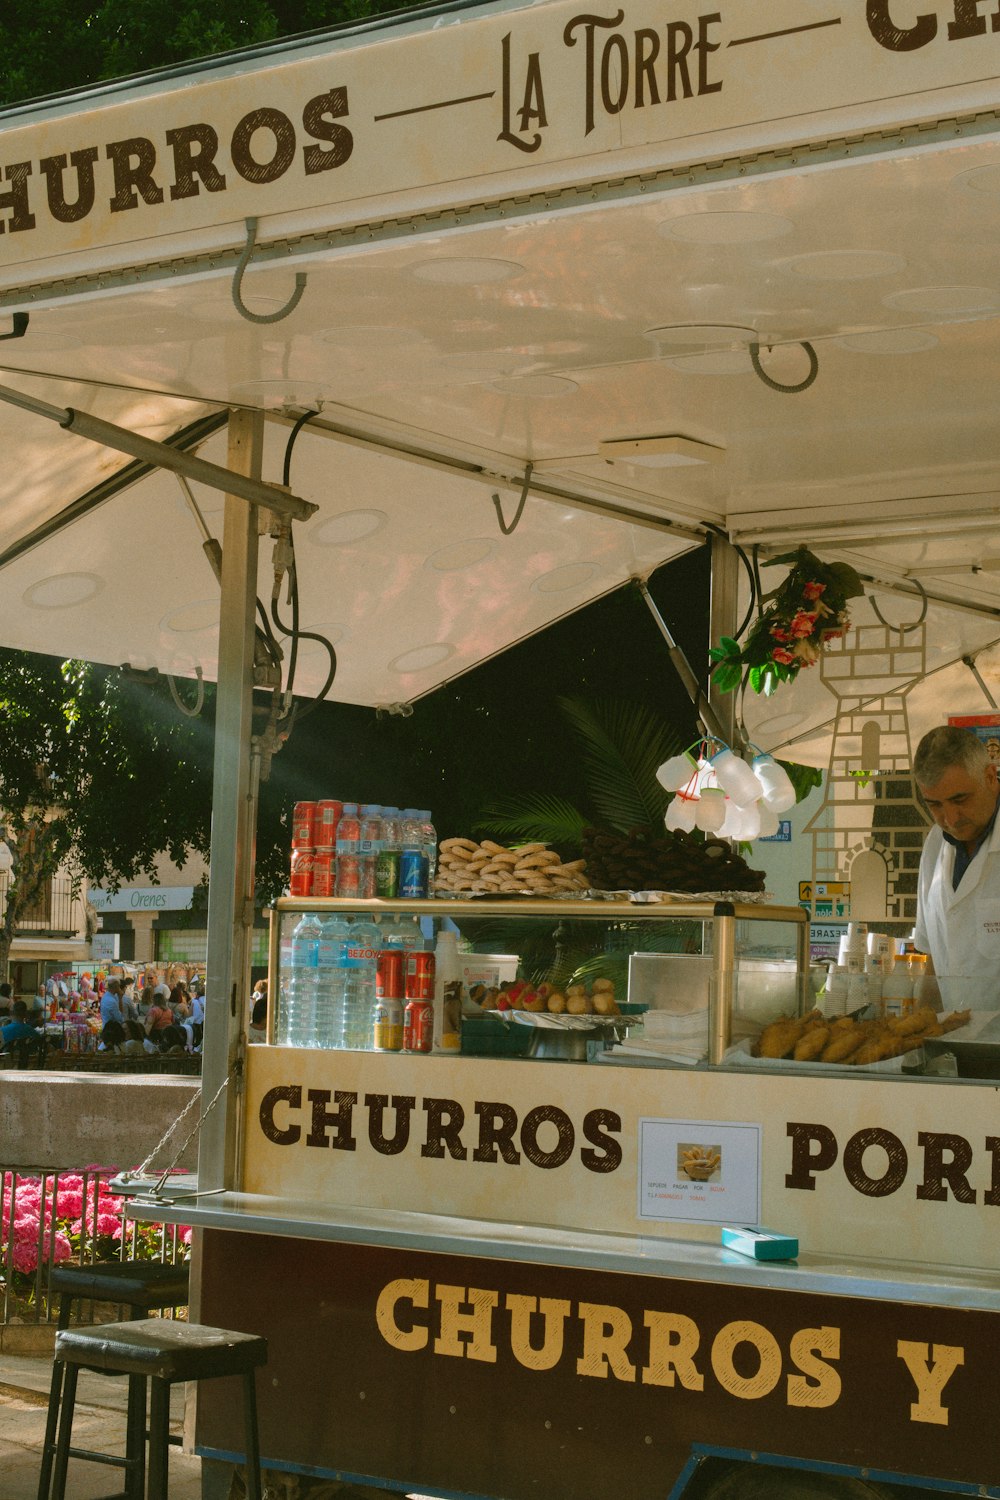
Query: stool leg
[
  {"x": 159, "y": 1433},
  {"x": 135, "y": 1438},
  {"x": 65, "y": 1432},
  {"x": 55, "y": 1397},
  {"x": 251, "y": 1436}
]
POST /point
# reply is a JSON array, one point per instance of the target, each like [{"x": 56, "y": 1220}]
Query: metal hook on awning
[
  {"x": 241, "y": 265},
  {"x": 19, "y": 327},
  {"x": 507, "y": 530},
  {"x": 776, "y": 385},
  {"x": 913, "y": 624}
]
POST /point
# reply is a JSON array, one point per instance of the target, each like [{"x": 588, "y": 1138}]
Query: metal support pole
[
  {"x": 803, "y": 954},
  {"x": 720, "y": 1000},
  {"x": 230, "y": 897},
  {"x": 723, "y": 620},
  {"x": 682, "y": 667}
]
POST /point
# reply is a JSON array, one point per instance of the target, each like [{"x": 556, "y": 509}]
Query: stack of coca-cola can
[{"x": 314, "y": 841}]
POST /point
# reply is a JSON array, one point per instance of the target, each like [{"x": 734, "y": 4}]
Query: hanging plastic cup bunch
[{"x": 724, "y": 795}]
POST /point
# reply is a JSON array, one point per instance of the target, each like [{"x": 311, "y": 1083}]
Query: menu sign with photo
[{"x": 699, "y": 1171}]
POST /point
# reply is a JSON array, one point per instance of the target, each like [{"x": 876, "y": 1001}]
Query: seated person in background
[
  {"x": 257, "y": 1030},
  {"x": 5, "y": 1003},
  {"x": 137, "y": 1043},
  {"x": 112, "y": 1037},
  {"x": 172, "y": 1039},
  {"x": 159, "y": 1015},
  {"x": 180, "y": 1007},
  {"x": 18, "y": 1028}
]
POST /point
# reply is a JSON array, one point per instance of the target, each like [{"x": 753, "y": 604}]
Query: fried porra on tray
[{"x": 812, "y": 1038}]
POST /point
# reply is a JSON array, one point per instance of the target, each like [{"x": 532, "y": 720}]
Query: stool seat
[
  {"x": 154, "y": 1347},
  {"x": 142, "y": 1284},
  {"x": 154, "y": 1353}
]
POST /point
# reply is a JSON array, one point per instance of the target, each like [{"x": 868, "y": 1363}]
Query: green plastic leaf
[
  {"x": 727, "y": 678},
  {"x": 848, "y": 580},
  {"x": 803, "y": 778}
]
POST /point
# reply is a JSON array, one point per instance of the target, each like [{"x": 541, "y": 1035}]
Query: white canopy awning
[{"x": 522, "y": 239}]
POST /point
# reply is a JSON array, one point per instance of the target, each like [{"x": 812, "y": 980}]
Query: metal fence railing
[
  {"x": 58, "y": 910},
  {"x": 50, "y": 1218}
]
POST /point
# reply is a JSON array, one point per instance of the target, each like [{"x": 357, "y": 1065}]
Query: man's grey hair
[{"x": 944, "y": 747}]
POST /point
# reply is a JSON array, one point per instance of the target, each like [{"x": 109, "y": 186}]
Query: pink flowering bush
[{"x": 71, "y": 1218}]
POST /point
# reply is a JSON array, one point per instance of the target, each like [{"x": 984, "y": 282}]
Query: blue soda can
[{"x": 412, "y": 873}]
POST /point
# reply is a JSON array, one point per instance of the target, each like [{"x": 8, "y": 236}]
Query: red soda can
[
  {"x": 419, "y": 975},
  {"x": 418, "y": 1026},
  {"x": 324, "y": 873},
  {"x": 303, "y": 869},
  {"x": 327, "y": 817},
  {"x": 304, "y": 825},
  {"x": 390, "y": 974}
]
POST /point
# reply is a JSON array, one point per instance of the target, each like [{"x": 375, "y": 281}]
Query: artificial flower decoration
[{"x": 799, "y": 618}]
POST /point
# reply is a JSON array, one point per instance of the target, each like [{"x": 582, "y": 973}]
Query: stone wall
[{"x": 66, "y": 1122}]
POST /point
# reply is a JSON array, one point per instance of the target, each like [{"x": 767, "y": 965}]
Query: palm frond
[
  {"x": 623, "y": 744},
  {"x": 549, "y": 820}
]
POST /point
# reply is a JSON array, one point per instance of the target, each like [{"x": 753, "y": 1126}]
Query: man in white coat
[{"x": 958, "y": 892}]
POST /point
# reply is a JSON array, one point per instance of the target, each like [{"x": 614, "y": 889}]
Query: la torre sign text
[
  {"x": 152, "y": 898},
  {"x": 610, "y": 88}
]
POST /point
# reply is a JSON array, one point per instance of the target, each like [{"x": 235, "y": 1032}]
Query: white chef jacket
[{"x": 961, "y": 929}]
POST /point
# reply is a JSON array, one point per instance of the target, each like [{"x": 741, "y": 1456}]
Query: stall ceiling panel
[{"x": 403, "y": 569}]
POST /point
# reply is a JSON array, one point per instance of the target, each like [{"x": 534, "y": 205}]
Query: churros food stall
[{"x": 477, "y": 313}]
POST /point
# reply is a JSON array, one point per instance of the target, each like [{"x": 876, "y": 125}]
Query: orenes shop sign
[{"x": 143, "y": 898}]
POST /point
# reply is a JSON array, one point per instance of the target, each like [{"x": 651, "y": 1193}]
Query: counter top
[{"x": 902, "y": 1281}]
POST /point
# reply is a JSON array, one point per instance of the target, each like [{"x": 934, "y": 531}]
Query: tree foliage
[
  {"x": 619, "y": 746},
  {"x": 47, "y": 46},
  {"x": 97, "y": 773}
]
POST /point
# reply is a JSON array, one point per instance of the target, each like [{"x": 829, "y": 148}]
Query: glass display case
[{"x": 678, "y": 982}]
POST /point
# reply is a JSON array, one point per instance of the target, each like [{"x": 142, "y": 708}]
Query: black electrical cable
[{"x": 293, "y": 632}]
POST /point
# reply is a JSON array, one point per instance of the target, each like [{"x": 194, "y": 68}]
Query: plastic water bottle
[
  {"x": 298, "y": 1016},
  {"x": 402, "y": 932},
  {"x": 429, "y": 842},
  {"x": 392, "y": 830},
  {"x": 897, "y": 990},
  {"x": 370, "y": 831},
  {"x": 349, "y": 851},
  {"x": 360, "y": 960},
  {"x": 331, "y": 1005}
]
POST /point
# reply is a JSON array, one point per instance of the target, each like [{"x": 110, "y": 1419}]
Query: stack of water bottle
[
  {"x": 329, "y": 996},
  {"x": 348, "y": 978}
]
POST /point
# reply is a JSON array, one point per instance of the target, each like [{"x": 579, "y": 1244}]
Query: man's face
[{"x": 962, "y": 804}]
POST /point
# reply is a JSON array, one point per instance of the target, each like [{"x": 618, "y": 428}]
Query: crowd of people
[{"x": 130, "y": 1015}]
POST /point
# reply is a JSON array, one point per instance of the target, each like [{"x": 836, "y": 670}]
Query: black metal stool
[
  {"x": 142, "y": 1287},
  {"x": 161, "y": 1351}
]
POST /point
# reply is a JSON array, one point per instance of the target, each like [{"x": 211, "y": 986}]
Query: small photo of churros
[{"x": 699, "y": 1163}]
